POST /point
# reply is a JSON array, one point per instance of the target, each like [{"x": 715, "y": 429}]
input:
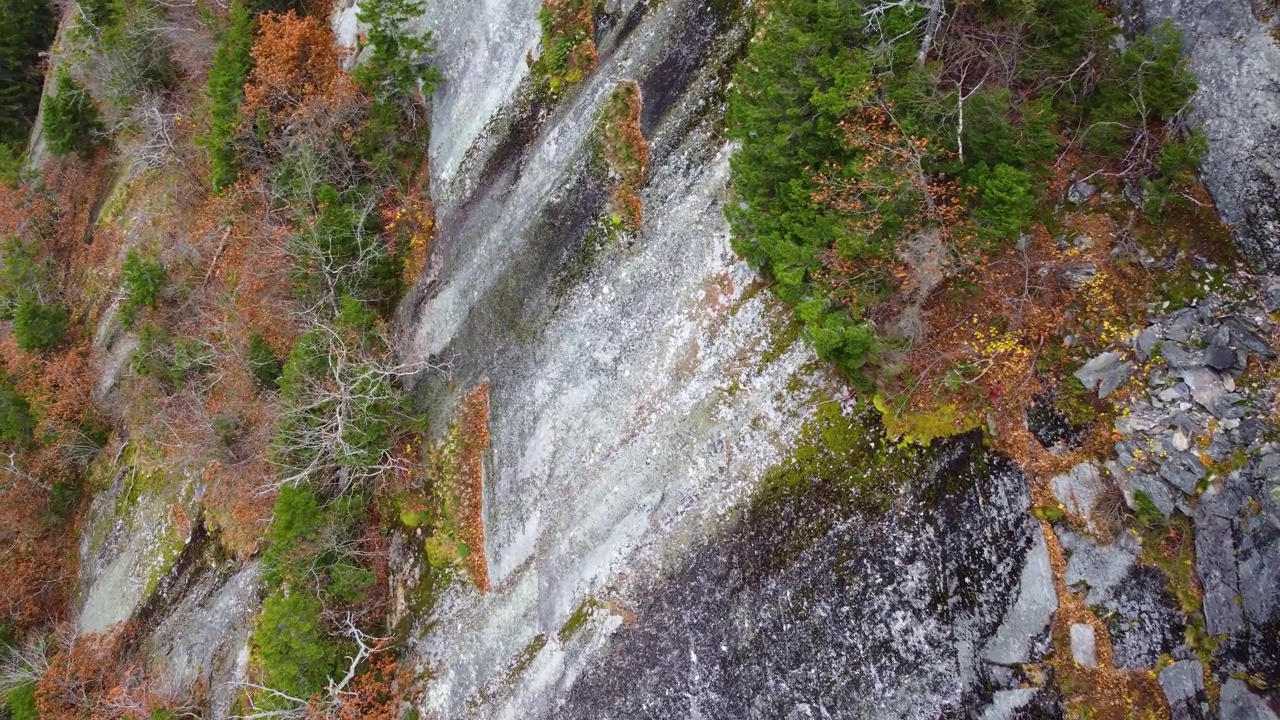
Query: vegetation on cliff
[
  {"x": 257, "y": 235},
  {"x": 882, "y": 150},
  {"x": 962, "y": 207},
  {"x": 568, "y": 48},
  {"x": 26, "y": 29}
]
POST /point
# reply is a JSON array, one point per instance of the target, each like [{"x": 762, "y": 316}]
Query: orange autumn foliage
[
  {"x": 626, "y": 151},
  {"x": 37, "y": 548},
  {"x": 474, "y": 422},
  {"x": 375, "y": 693},
  {"x": 294, "y": 59},
  {"x": 92, "y": 677}
]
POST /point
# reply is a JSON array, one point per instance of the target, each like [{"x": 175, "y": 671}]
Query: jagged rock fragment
[
  {"x": 1084, "y": 645},
  {"x": 1183, "y": 686},
  {"x": 1105, "y": 373}
]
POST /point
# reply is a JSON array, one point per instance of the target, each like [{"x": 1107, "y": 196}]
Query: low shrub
[
  {"x": 37, "y": 326},
  {"x": 135, "y": 53},
  {"x": 143, "y": 278},
  {"x": 17, "y": 424},
  {"x": 293, "y": 643},
  {"x": 308, "y": 558},
  {"x": 172, "y": 362},
  {"x": 21, "y": 272},
  {"x": 21, "y": 702},
  {"x": 262, "y": 362},
  {"x": 10, "y": 166},
  {"x": 1005, "y": 201},
  {"x": 568, "y": 49},
  {"x": 340, "y": 414},
  {"x": 26, "y": 29}
]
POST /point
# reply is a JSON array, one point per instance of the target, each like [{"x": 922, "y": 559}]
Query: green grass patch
[{"x": 922, "y": 427}]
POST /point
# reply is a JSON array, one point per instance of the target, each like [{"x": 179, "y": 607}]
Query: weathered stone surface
[
  {"x": 1183, "y": 686},
  {"x": 200, "y": 640},
  {"x": 1238, "y": 67},
  {"x": 1009, "y": 704},
  {"x": 1177, "y": 392},
  {"x": 1248, "y": 432},
  {"x": 1141, "y": 417},
  {"x": 1216, "y": 560},
  {"x": 1258, "y": 558},
  {"x": 1178, "y": 355},
  {"x": 1029, "y": 618},
  {"x": 884, "y": 616},
  {"x": 1079, "y": 490},
  {"x": 1084, "y": 645},
  {"x": 1152, "y": 486},
  {"x": 1179, "y": 441},
  {"x": 1237, "y": 702},
  {"x": 1182, "y": 470},
  {"x": 1269, "y": 290},
  {"x": 1099, "y": 567},
  {"x": 1080, "y": 192},
  {"x": 1244, "y": 338},
  {"x": 1220, "y": 358},
  {"x": 1105, "y": 373},
  {"x": 1144, "y": 621},
  {"x": 1180, "y": 325},
  {"x": 1077, "y": 274},
  {"x": 1207, "y": 388},
  {"x": 1051, "y": 427},
  {"x": 1218, "y": 336},
  {"x": 1146, "y": 341}
]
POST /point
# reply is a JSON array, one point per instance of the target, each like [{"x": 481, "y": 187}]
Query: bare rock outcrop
[{"x": 1233, "y": 50}]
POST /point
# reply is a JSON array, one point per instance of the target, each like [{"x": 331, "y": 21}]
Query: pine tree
[
  {"x": 71, "y": 120},
  {"x": 26, "y": 29},
  {"x": 231, "y": 65}
]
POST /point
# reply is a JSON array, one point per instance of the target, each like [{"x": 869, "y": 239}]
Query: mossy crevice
[
  {"x": 575, "y": 622},
  {"x": 455, "y": 472},
  {"x": 626, "y": 152},
  {"x": 568, "y": 48}
]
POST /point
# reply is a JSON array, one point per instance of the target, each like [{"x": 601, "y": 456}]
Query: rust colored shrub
[
  {"x": 294, "y": 60},
  {"x": 474, "y": 426}
]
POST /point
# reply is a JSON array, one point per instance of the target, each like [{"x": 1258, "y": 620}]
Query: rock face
[
  {"x": 1238, "y": 559},
  {"x": 1237, "y": 60},
  {"x": 1143, "y": 620},
  {"x": 1079, "y": 491},
  {"x": 880, "y": 617},
  {"x": 1105, "y": 373},
  {"x": 1195, "y": 447},
  {"x": 639, "y": 391},
  {"x": 635, "y": 396},
  {"x": 1084, "y": 645},
  {"x": 1238, "y": 703},
  {"x": 203, "y": 640}
]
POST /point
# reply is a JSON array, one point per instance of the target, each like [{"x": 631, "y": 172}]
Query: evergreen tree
[
  {"x": 26, "y": 29},
  {"x": 71, "y": 120},
  {"x": 16, "y": 422},
  {"x": 37, "y": 326},
  {"x": 231, "y": 66}
]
